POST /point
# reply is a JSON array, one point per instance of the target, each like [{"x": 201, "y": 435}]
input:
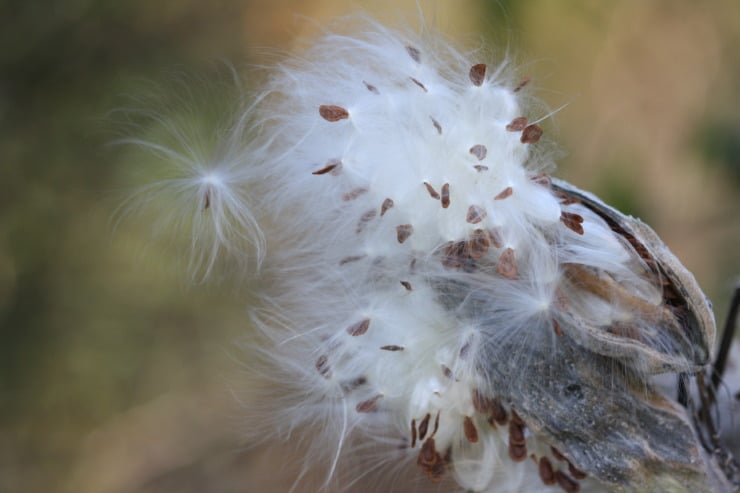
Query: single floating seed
[
  {"x": 479, "y": 151},
  {"x": 572, "y": 221},
  {"x": 478, "y": 245},
  {"x": 478, "y": 74},
  {"x": 353, "y": 194},
  {"x": 416, "y": 81},
  {"x": 437, "y": 125},
  {"x": 480, "y": 167},
  {"x": 506, "y": 265},
  {"x": 531, "y": 134},
  {"x": 517, "y": 124},
  {"x": 414, "y": 53},
  {"x": 406, "y": 285},
  {"x": 471, "y": 433},
  {"x": 403, "y": 231},
  {"x": 371, "y": 88},
  {"x": 332, "y": 166},
  {"x": 368, "y": 406},
  {"x": 505, "y": 193},
  {"x": 322, "y": 366},
  {"x": 568, "y": 484},
  {"x": 353, "y": 258},
  {"x": 432, "y": 192},
  {"x": 475, "y": 214},
  {"x": 523, "y": 83},
  {"x": 387, "y": 204},
  {"x": 333, "y": 113},
  {"x": 424, "y": 426},
  {"x": 392, "y": 347},
  {"x": 359, "y": 328},
  {"x": 547, "y": 475},
  {"x": 445, "y": 195}
]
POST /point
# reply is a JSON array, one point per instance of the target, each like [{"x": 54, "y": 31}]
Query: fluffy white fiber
[{"x": 412, "y": 242}]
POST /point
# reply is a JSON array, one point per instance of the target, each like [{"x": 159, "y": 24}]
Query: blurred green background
[{"x": 115, "y": 374}]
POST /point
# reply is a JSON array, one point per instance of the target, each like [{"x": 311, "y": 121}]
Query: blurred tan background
[{"x": 116, "y": 375}]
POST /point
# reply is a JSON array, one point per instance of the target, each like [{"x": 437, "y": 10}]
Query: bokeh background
[{"x": 116, "y": 374}]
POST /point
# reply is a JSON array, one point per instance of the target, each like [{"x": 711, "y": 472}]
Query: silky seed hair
[{"x": 415, "y": 243}]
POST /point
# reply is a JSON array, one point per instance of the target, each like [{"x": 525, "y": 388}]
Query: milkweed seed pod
[{"x": 433, "y": 295}]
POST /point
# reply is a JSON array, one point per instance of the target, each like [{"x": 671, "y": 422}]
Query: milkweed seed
[
  {"x": 517, "y": 124},
  {"x": 531, "y": 134},
  {"x": 495, "y": 236},
  {"x": 364, "y": 219},
  {"x": 572, "y": 221},
  {"x": 480, "y": 167},
  {"x": 523, "y": 83},
  {"x": 498, "y": 412},
  {"x": 353, "y": 258},
  {"x": 353, "y": 194},
  {"x": 517, "y": 453},
  {"x": 568, "y": 484},
  {"x": 392, "y": 347},
  {"x": 322, "y": 366},
  {"x": 413, "y": 433},
  {"x": 576, "y": 473},
  {"x": 424, "y": 426},
  {"x": 471, "y": 433},
  {"x": 414, "y": 53},
  {"x": 547, "y": 475},
  {"x": 505, "y": 193},
  {"x": 556, "y": 328},
  {"x": 478, "y": 74},
  {"x": 403, "y": 231},
  {"x": 506, "y": 265},
  {"x": 359, "y": 328},
  {"x": 333, "y": 113},
  {"x": 332, "y": 166},
  {"x": 436, "y": 424},
  {"x": 371, "y": 88},
  {"x": 516, "y": 433},
  {"x": 475, "y": 214},
  {"x": 416, "y": 81},
  {"x": 387, "y": 204},
  {"x": 557, "y": 454},
  {"x": 447, "y": 372},
  {"x": 432, "y": 192},
  {"x": 406, "y": 285},
  {"x": 479, "y": 244},
  {"x": 479, "y": 151},
  {"x": 437, "y": 125},
  {"x": 368, "y": 406},
  {"x": 445, "y": 195}
]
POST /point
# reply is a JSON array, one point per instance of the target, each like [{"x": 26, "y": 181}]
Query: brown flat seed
[
  {"x": 428, "y": 453},
  {"x": 505, "y": 193},
  {"x": 480, "y": 167},
  {"x": 403, "y": 231},
  {"x": 498, "y": 412},
  {"x": 517, "y": 419},
  {"x": 387, "y": 204},
  {"x": 447, "y": 372},
  {"x": 465, "y": 350},
  {"x": 424, "y": 426},
  {"x": 516, "y": 433},
  {"x": 542, "y": 179},
  {"x": 371, "y": 88},
  {"x": 322, "y": 366},
  {"x": 414, "y": 53},
  {"x": 437, "y": 125},
  {"x": 406, "y": 285},
  {"x": 333, "y": 113},
  {"x": 479, "y": 151},
  {"x": 475, "y": 214},
  {"x": 547, "y": 475},
  {"x": 332, "y": 166},
  {"x": 353, "y": 258},
  {"x": 523, "y": 83},
  {"x": 353, "y": 194},
  {"x": 392, "y": 347},
  {"x": 506, "y": 265},
  {"x": 517, "y": 453},
  {"x": 481, "y": 403},
  {"x": 368, "y": 406},
  {"x": 531, "y": 134},
  {"x": 568, "y": 484},
  {"x": 364, "y": 219},
  {"x": 207, "y": 199},
  {"x": 351, "y": 385},
  {"x": 479, "y": 244},
  {"x": 557, "y": 328},
  {"x": 576, "y": 473},
  {"x": 478, "y": 74},
  {"x": 436, "y": 424},
  {"x": 557, "y": 454},
  {"x": 445, "y": 195},
  {"x": 471, "y": 432},
  {"x": 416, "y": 81},
  {"x": 517, "y": 124},
  {"x": 358, "y": 328},
  {"x": 413, "y": 433},
  {"x": 572, "y": 221},
  {"x": 432, "y": 192}
]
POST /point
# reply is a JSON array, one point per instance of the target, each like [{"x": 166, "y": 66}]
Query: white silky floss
[{"x": 413, "y": 240}]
